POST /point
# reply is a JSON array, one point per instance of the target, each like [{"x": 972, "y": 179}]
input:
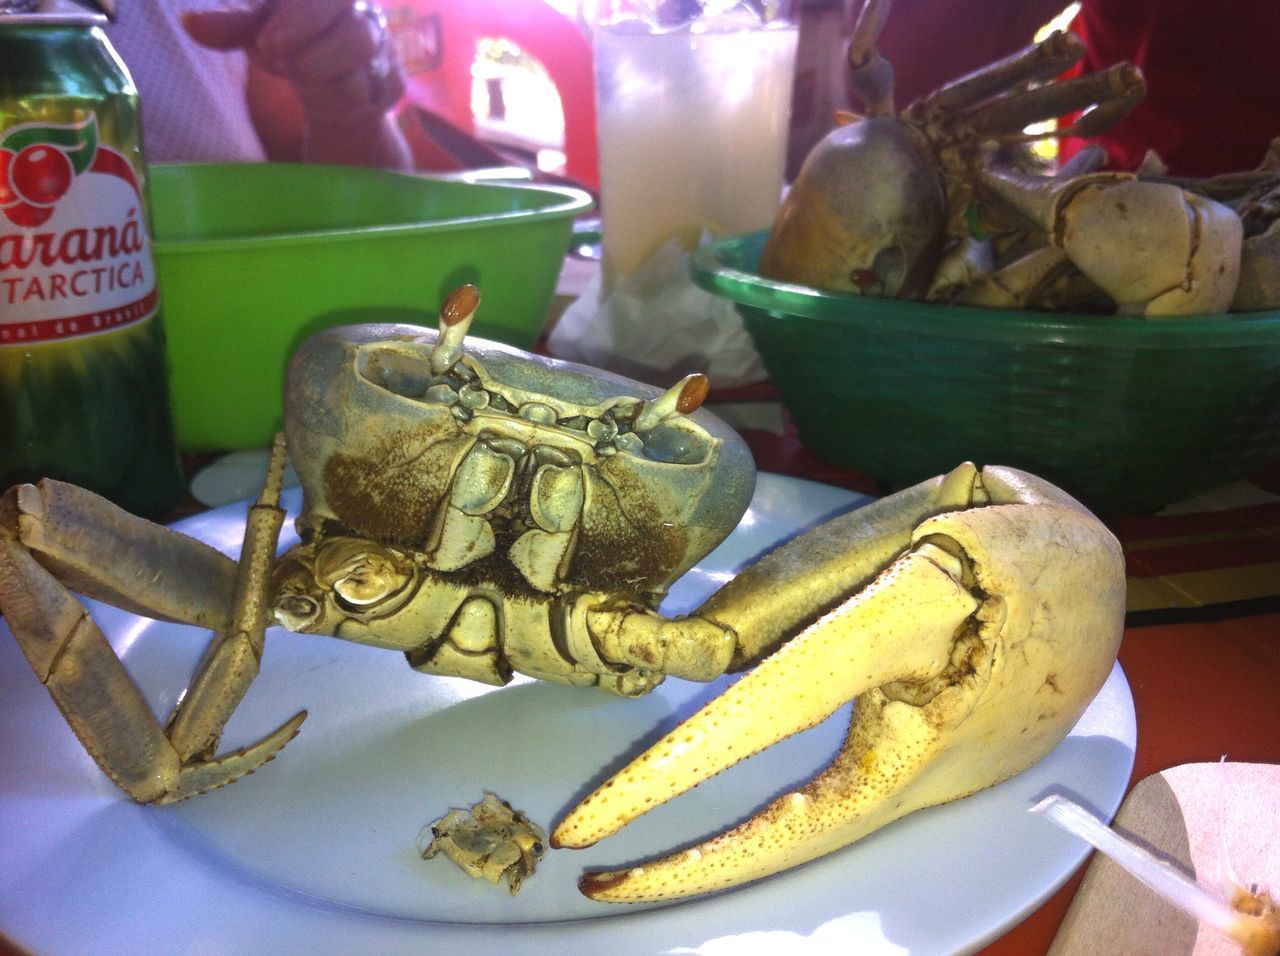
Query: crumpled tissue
[{"x": 657, "y": 326}]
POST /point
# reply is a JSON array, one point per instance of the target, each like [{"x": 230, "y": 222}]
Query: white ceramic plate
[{"x": 315, "y": 852}]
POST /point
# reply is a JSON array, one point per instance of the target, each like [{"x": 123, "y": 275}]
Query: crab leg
[
  {"x": 47, "y": 542},
  {"x": 74, "y": 661},
  {"x": 1036, "y": 63},
  {"x": 1106, "y": 98},
  {"x": 231, "y": 662},
  {"x": 970, "y": 657},
  {"x": 86, "y": 542},
  {"x": 1021, "y": 282},
  {"x": 778, "y": 595},
  {"x": 1028, "y": 279},
  {"x": 869, "y": 75}
]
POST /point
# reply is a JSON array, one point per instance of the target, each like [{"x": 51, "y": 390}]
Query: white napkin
[{"x": 657, "y": 326}]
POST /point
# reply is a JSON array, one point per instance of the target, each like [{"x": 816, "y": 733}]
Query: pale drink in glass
[{"x": 692, "y": 134}]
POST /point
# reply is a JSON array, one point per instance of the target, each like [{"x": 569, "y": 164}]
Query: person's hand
[{"x": 337, "y": 54}]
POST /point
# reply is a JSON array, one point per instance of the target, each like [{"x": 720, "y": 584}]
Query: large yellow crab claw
[{"x": 971, "y": 655}]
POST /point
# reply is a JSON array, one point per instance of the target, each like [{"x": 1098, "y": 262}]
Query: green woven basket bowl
[{"x": 1127, "y": 414}]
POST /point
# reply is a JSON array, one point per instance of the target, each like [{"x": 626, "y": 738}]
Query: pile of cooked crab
[{"x": 937, "y": 202}]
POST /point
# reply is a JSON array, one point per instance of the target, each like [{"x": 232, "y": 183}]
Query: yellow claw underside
[
  {"x": 948, "y": 652},
  {"x": 846, "y": 801},
  {"x": 915, "y": 606}
]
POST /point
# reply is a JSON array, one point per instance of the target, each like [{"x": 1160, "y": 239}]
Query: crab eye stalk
[
  {"x": 455, "y": 320},
  {"x": 682, "y": 398}
]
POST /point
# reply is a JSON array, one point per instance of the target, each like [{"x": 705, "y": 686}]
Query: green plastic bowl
[
  {"x": 1127, "y": 414},
  {"x": 253, "y": 258}
]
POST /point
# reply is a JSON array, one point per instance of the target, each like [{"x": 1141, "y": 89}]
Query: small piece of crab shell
[
  {"x": 970, "y": 657},
  {"x": 491, "y": 841}
]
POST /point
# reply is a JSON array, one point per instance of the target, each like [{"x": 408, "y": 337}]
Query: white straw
[{"x": 1171, "y": 883}]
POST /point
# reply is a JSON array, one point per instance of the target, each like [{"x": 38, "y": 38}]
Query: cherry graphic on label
[
  {"x": 26, "y": 215},
  {"x": 7, "y": 194},
  {"x": 41, "y": 174}
]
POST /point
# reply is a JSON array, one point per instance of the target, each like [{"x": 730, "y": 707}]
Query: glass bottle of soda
[{"x": 84, "y": 393}]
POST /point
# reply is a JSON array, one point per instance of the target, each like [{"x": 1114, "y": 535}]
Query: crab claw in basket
[{"x": 971, "y": 654}]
